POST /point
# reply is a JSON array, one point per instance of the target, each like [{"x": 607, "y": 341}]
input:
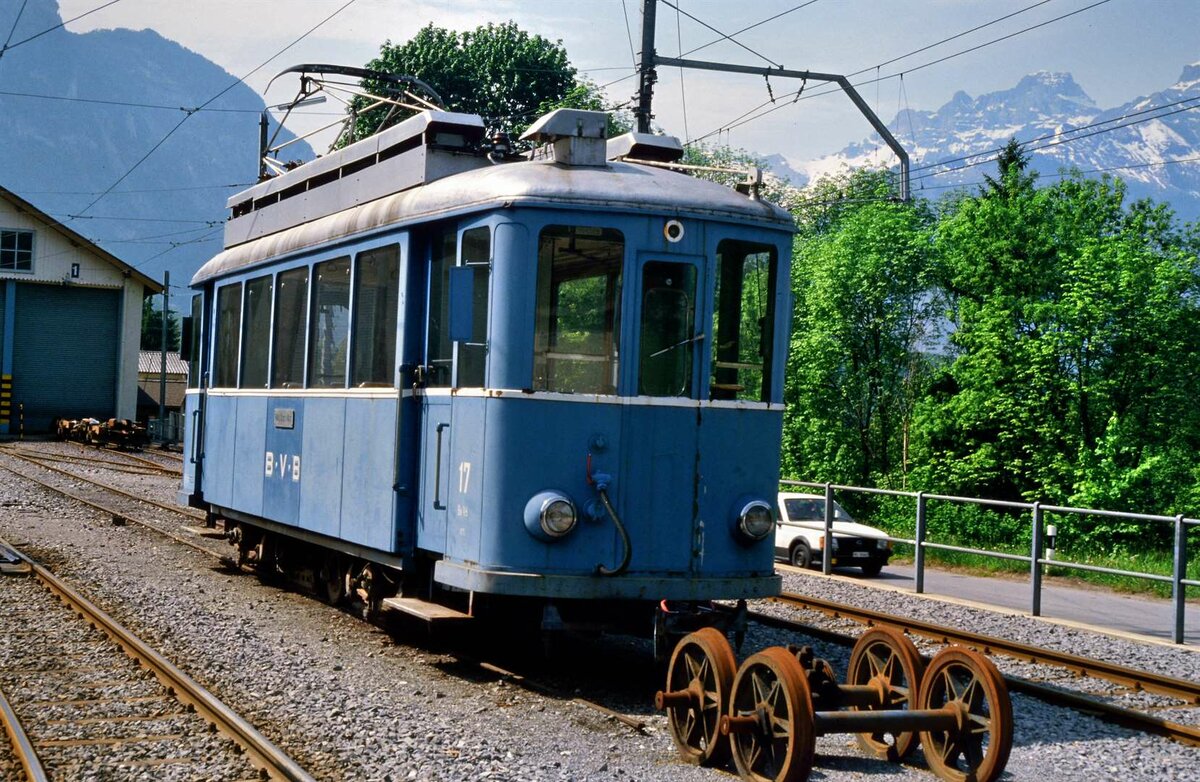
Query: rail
[
  {"x": 1187, "y": 692},
  {"x": 23, "y": 748},
  {"x": 1132, "y": 678},
  {"x": 271, "y": 761},
  {"x": 1040, "y": 554}
]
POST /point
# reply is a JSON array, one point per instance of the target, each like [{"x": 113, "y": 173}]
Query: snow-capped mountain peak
[
  {"x": 1189, "y": 79},
  {"x": 1062, "y": 127}
]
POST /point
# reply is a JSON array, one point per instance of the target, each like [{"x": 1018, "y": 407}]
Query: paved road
[{"x": 1150, "y": 617}]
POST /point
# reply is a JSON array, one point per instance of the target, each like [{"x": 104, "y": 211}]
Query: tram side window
[
  {"x": 578, "y": 309},
  {"x": 330, "y": 324},
  {"x": 193, "y": 357},
  {"x": 743, "y": 321},
  {"x": 440, "y": 350},
  {"x": 668, "y": 329},
  {"x": 256, "y": 333},
  {"x": 291, "y": 312},
  {"x": 376, "y": 298},
  {"x": 472, "y": 355},
  {"x": 229, "y": 327}
]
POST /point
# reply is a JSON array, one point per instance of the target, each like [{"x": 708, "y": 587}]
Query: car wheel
[
  {"x": 872, "y": 568},
  {"x": 801, "y": 556}
]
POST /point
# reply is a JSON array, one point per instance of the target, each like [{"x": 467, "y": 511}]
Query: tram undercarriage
[{"x": 369, "y": 587}]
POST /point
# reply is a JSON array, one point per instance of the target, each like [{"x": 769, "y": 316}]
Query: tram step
[{"x": 423, "y": 609}]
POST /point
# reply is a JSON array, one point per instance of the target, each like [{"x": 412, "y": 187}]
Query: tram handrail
[{"x": 1036, "y": 558}]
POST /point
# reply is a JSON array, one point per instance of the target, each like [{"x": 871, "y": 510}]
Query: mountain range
[
  {"x": 1150, "y": 142},
  {"x": 79, "y": 111},
  {"x": 83, "y": 113}
]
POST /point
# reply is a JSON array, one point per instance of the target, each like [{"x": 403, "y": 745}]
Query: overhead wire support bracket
[{"x": 838, "y": 79}]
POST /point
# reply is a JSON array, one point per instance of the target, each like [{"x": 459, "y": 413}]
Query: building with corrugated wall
[{"x": 70, "y": 323}]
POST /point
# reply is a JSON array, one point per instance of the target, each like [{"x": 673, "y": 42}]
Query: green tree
[
  {"x": 152, "y": 327},
  {"x": 864, "y": 317},
  {"x": 1130, "y": 333},
  {"x": 992, "y": 426},
  {"x": 497, "y": 71},
  {"x": 1076, "y": 330}
]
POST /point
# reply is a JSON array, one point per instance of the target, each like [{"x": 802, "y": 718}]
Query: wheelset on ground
[
  {"x": 780, "y": 700},
  {"x": 699, "y": 676}
]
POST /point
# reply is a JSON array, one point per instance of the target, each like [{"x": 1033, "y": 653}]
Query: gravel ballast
[{"x": 349, "y": 701}]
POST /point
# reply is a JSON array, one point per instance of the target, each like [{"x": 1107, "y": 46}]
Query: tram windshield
[
  {"x": 668, "y": 329},
  {"x": 743, "y": 321},
  {"x": 578, "y": 309}
]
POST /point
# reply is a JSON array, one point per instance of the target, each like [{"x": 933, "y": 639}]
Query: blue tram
[{"x": 437, "y": 377}]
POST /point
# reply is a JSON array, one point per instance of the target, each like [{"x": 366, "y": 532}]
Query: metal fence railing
[{"x": 1037, "y": 558}]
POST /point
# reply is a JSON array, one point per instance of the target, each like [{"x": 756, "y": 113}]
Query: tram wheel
[
  {"x": 330, "y": 580},
  {"x": 699, "y": 677},
  {"x": 886, "y": 658},
  {"x": 978, "y": 749},
  {"x": 770, "y": 722}
]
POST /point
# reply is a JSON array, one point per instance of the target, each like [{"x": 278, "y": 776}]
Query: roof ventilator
[
  {"x": 665, "y": 152},
  {"x": 634, "y": 146},
  {"x": 572, "y": 137}
]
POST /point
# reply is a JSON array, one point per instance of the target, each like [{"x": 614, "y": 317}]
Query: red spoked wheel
[
  {"x": 770, "y": 723},
  {"x": 699, "y": 677},
  {"x": 967, "y": 682},
  {"x": 886, "y": 659}
]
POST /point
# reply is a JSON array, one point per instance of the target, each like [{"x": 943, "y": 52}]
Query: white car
[{"x": 800, "y": 535}]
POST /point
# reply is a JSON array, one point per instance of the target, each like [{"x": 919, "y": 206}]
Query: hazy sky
[{"x": 1117, "y": 50}]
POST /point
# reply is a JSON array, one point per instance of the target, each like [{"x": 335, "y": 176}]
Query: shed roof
[
  {"x": 22, "y": 205},
  {"x": 150, "y": 361}
]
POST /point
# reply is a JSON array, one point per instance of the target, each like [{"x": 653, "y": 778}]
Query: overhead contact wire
[
  {"x": 745, "y": 118},
  {"x": 204, "y": 105}
]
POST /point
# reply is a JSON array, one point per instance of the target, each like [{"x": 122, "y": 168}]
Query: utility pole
[
  {"x": 646, "y": 73},
  {"x": 647, "y": 77},
  {"x": 162, "y": 380}
]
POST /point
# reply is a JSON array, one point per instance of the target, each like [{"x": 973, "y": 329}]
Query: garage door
[{"x": 65, "y": 347}]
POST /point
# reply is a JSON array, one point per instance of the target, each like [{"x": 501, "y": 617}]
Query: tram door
[
  {"x": 670, "y": 338},
  {"x": 191, "y": 489},
  {"x": 438, "y": 371},
  {"x": 452, "y": 361}
]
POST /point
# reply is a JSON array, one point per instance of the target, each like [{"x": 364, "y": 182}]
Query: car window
[
  {"x": 813, "y": 510},
  {"x": 804, "y": 510}
]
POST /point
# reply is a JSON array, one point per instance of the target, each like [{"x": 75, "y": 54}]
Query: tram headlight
[
  {"x": 755, "y": 521},
  {"x": 550, "y": 515},
  {"x": 557, "y": 517}
]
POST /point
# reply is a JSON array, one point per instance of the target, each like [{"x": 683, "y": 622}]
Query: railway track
[
  {"x": 122, "y": 462},
  {"x": 1186, "y": 692},
  {"x": 83, "y": 697},
  {"x": 123, "y": 507},
  {"x": 42, "y": 462},
  {"x": 508, "y": 672},
  {"x": 219, "y": 550}
]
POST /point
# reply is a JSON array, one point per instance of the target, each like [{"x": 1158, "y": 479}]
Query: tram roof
[{"x": 615, "y": 187}]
